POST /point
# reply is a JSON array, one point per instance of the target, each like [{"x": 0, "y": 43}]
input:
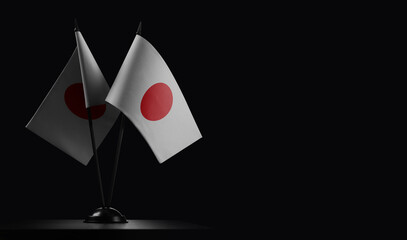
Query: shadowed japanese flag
[
  {"x": 62, "y": 118},
  {"x": 147, "y": 93}
]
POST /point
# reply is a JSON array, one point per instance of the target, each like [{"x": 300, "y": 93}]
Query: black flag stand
[{"x": 104, "y": 214}]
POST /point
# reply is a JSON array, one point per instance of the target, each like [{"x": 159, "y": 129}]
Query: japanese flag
[
  {"x": 146, "y": 92},
  {"x": 62, "y": 118}
]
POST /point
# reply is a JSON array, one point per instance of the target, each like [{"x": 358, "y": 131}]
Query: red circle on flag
[
  {"x": 156, "y": 102},
  {"x": 75, "y": 101}
]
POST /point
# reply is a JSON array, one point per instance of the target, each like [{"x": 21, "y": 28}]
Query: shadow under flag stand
[{"x": 106, "y": 214}]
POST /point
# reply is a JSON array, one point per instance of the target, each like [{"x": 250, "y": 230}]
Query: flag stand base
[{"x": 106, "y": 215}]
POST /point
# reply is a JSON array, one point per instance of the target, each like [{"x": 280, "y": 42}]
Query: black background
[
  {"x": 216, "y": 53},
  {"x": 270, "y": 87}
]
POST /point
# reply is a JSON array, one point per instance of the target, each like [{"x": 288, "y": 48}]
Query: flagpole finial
[
  {"x": 139, "y": 29},
  {"x": 76, "y": 26}
]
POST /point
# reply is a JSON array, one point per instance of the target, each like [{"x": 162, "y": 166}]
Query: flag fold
[
  {"x": 62, "y": 118},
  {"x": 146, "y": 92}
]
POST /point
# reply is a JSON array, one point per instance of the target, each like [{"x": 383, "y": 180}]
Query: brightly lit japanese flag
[
  {"x": 62, "y": 118},
  {"x": 147, "y": 93}
]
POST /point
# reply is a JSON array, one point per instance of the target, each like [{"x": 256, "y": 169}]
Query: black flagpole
[
  {"x": 104, "y": 214},
  {"x": 95, "y": 152},
  {"x": 119, "y": 144},
  {"x": 116, "y": 160},
  {"x": 92, "y": 136}
]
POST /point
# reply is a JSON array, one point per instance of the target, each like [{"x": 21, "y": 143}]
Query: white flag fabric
[
  {"x": 62, "y": 118},
  {"x": 94, "y": 84},
  {"x": 147, "y": 93}
]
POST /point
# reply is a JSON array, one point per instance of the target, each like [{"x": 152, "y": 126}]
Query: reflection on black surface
[
  {"x": 78, "y": 224},
  {"x": 77, "y": 229}
]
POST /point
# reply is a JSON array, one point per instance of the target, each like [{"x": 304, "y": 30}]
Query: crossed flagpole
[
  {"x": 92, "y": 135},
  {"x": 162, "y": 116},
  {"x": 119, "y": 144},
  {"x": 106, "y": 213}
]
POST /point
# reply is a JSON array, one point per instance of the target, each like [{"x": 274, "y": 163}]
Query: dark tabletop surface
[
  {"x": 77, "y": 229},
  {"x": 78, "y": 224}
]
